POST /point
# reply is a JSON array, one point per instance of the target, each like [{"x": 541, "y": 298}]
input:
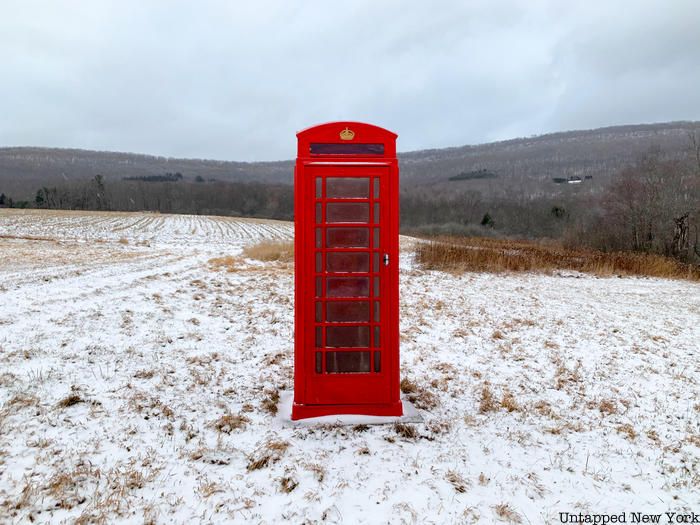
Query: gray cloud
[{"x": 232, "y": 81}]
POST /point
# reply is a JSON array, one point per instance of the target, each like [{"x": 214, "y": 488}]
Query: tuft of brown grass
[
  {"x": 269, "y": 453},
  {"x": 508, "y": 402},
  {"x": 476, "y": 254},
  {"x": 269, "y": 404},
  {"x": 406, "y": 431},
  {"x": 288, "y": 484},
  {"x": 230, "y": 422},
  {"x": 607, "y": 407},
  {"x": 280, "y": 251},
  {"x": 627, "y": 430},
  {"x": 70, "y": 400},
  {"x": 407, "y": 386},
  {"x": 506, "y": 513},
  {"x": 318, "y": 471},
  {"x": 487, "y": 403},
  {"x": 457, "y": 481},
  {"x": 420, "y": 397},
  {"x": 229, "y": 263}
]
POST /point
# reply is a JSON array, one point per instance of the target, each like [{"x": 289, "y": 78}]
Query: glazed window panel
[
  {"x": 347, "y": 262},
  {"x": 347, "y": 362},
  {"x": 347, "y": 237},
  {"x": 347, "y": 336},
  {"x": 319, "y": 362},
  {"x": 347, "y": 188},
  {"x": 347, "y": 311},
  {"x": 347, "y": 286},
  {"x": 347, "y": 212}
]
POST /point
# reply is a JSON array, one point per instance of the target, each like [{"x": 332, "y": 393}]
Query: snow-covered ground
[{"x": 137, "y": 379}]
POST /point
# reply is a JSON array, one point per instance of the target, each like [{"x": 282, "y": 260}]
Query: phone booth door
[{"x": 349, "y": 291}]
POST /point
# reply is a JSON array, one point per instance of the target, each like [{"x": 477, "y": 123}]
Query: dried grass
[
  {"x": 607, "y": 407},
  {"x": 269, "y": 453},
  {"x": 288, "y": 484},
  {"x": 457, "y": 481},
  {"x": 229, "y": 263},
  {"x": 420, "y": 397},
  {"x": 70, "y": 400},
  {"x": 487, "y": 403},
  {"x": 230, "y": 422},
  {"x": 506, "y": 513},
  {"x": 475, "y": 254},
  {"x": 280, "y": 251},
  {"x": 407, "y": 386},
  {"x": 508, "y": 402},
  {"x": 406, "y": 431},
  {"x": 269, "y": 404},
  {"x": 627, "y": 430}
]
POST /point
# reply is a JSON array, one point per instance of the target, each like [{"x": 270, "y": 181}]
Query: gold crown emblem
[{"x": 347, "y": 134}]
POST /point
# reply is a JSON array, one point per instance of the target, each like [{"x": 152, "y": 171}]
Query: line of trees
[{"x": 216, "y": 198}]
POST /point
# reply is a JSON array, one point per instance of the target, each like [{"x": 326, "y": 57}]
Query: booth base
[{"x": 345, "y": 414}]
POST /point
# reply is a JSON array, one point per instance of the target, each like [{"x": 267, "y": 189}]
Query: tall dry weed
[
  {"x": 474, "y": 254},
  {"x": 280, "y": 251}
]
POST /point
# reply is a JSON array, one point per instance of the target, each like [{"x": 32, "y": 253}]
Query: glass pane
[
  {"x": 347, "y": 336},
  {"x": 319, "y": 210},
  {"x": 376, "y": 312},
  {"x": 347, "y": 362},
  {"x": 319, "y": 337},
  {"x": 376, "y": 286},
  {"x": 347, "y": 237},
  {"x": 376, "y": 188},
  {"x": 347, "y": 188},
  {"x": 347, "y": 286},
  {"x": 319, "y": 262},
  {"x": 319, "y": 187},
  {"x": 347, "y": 212},
  {"x": 376, "y": 213},
  {"x": 377, "y": 339},
  {"x": 377, "y": 361},
  {"x": 319, "y": 287},
  {"x": 376, "y": 237},
  {"x": 347, "y": 262},
  {"x": 319, "y": 360},
  {"x": 319, "y": 311},
  {"x": 347, "y": 311},
  {"x": 319, "y": 237},
  {"x": 376, "y": 262}
]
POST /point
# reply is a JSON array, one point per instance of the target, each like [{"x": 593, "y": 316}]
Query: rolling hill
[{"x": 523, "y": 163}]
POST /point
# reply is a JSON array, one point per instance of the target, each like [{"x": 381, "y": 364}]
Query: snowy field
[{"x": 138, "y": 381}]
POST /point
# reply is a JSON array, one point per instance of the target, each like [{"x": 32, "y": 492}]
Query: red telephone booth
[{"x": 346, "y": 255}]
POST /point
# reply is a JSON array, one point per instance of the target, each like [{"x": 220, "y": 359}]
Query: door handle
[{"x": 386, "y": 259}]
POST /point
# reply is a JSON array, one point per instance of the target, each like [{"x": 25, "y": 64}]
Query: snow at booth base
[{"x": 142, "y": 357}]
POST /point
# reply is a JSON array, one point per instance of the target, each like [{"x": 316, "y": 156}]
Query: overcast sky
[{"x": 235, "y": 80}]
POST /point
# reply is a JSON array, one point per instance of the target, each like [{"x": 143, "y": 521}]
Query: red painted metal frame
[{"x": 361, "y": 393}]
